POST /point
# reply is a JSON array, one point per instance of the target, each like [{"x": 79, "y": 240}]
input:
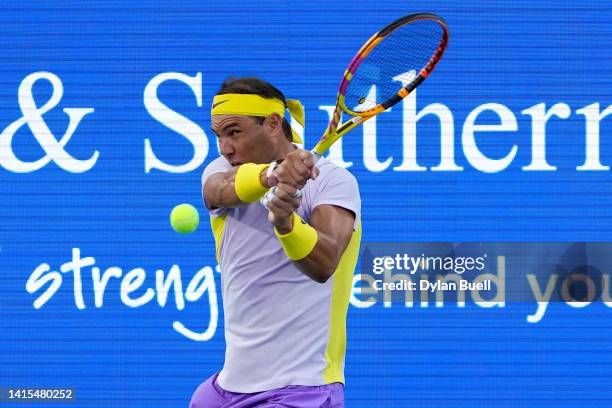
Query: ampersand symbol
[{"x": 33, "y": 117}]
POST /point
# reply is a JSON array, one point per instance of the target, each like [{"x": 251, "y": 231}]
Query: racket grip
[{"x": 298, "y": 194}]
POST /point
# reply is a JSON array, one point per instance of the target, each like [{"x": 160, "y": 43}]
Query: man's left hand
[{"x": 282, "y": 206}]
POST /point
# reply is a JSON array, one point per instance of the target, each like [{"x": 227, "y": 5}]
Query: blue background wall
[{"x": 518, "y": 53}]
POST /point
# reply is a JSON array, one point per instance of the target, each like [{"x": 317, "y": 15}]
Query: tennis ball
[{"x": 184, "y": 218}]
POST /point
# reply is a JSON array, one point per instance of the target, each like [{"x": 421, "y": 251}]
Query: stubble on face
[{"x": 243, "y": 140}]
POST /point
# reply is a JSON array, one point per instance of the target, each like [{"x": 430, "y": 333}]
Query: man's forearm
[
  {"x": 314, "y": 251},
  {"x": 320, "y": 264},
  {"x": 220, "y": 189}
]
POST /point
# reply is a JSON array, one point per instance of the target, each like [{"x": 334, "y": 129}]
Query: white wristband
[{"x": 271, "y": 168}]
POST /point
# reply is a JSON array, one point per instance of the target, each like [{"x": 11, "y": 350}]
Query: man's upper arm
[
  {"x": 213, "y": 173},
  {"x": 335, "y": 222},
  {"x": 211, "y": 187},
  {"x": 336, "y": 207}
]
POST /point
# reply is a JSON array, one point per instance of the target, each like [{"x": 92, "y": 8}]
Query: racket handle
[{"x": 270, "y": 194}]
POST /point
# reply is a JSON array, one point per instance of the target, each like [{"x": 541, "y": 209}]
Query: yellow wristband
[
  {"x": 248, "y": 182},
  {"x": 300, "y": 241}
]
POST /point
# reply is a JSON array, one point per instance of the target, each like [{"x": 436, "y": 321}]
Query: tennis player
[{"x": 287, "y": 270}]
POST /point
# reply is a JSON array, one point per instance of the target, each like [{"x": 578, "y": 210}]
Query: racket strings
[{"x": 393, "y": 64}]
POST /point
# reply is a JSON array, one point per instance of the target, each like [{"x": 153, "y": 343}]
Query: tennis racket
[{"x": 390, "y": 65}]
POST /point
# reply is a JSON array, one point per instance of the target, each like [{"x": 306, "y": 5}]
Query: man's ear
[{"x": 274, "y": 124}]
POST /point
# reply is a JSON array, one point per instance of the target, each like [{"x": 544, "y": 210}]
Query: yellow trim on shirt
[
  {"x": 217, "y": 225},
  {"x": 343, "y": 282}
]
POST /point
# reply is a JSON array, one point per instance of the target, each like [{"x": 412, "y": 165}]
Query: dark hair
[{"x": 256, "y": 86}]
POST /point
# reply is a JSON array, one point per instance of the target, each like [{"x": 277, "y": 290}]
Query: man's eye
[{"x": 234, "y": 132}]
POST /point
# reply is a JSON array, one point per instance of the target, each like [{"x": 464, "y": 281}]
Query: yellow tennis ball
[{"x": 184, "y": 218}]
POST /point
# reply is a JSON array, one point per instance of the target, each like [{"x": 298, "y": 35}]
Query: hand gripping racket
[{"x": 390, "y": 65}]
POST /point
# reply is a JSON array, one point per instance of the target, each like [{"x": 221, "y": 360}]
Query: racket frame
[{"x": 335, "y": 130}]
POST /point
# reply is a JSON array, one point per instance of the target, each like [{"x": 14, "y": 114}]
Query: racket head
[
  {"x": 396, "y": 60},
  {"x": 390, "y": 65}
]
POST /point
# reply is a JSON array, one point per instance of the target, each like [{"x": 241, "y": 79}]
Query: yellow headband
[{"x": 255, "y": 105}]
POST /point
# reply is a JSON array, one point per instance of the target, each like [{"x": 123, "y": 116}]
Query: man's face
[{"x": 244, "y": 140}]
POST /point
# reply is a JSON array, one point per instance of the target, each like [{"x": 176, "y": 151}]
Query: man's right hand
[{"x": 295, "y": 170}]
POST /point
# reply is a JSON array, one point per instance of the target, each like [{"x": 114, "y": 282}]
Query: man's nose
[{"x": 227, "y": 149}]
